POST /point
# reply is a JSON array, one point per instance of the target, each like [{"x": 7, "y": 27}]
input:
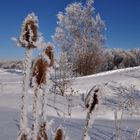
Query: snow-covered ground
[{"x": 113, "y": 83}]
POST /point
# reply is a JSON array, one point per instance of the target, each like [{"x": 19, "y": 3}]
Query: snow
[{"x": 103, "y": 127}]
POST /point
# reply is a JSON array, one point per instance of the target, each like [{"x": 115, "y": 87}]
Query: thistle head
[
  {"x": 29, "y": 34},
  {"x": 50, "y": 53}
]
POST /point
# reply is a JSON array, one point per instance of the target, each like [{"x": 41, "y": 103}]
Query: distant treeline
[
  {"x": 112, "y": 59},
  {"x": 11, "y": 64},
  {"x": 120, "y": 58}
]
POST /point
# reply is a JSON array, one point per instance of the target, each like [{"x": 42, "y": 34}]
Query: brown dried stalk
[
  {"x": 40, "y": 70},
  {"x": 92, "y": 100},
  {"x": 23, "y": 137},
  {"x": 59, "y": 134},
  {"x": 27, "y": 39}
]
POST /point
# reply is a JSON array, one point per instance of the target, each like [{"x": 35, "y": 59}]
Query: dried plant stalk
[
  {"x": 91, "y": 102},
  {"x": 27, "y": 40},
  {"x": 25, "y": 85},
  {"x": 59, "y": 135},
  {"x": 40, "y": 72}
]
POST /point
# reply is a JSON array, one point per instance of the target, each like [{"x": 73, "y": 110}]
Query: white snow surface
[{"x": 103, "y": 127}]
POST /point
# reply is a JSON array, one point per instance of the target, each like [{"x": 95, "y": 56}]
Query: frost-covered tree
[
  {"x": 28, "y": 39},
  {"x": 80, "y": 34},
  {"x": 136, "y": 52},
  {"x": 120, "y": 58}
]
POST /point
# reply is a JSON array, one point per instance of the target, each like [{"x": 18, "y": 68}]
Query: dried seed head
[
  {"x": 95, "y": 101},
  {"x": 29, "y": 33},
  {"x": 59, "y": 134},
  {"x": 40, "y": 72},
  {"x": 24, "y": 137},
  {"x": 50, "y": 53},
  {"x": 40, "y": 68},
  {"x": 28, "y": 36}
]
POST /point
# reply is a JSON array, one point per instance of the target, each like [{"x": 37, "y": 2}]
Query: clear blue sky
[{"x": 122, "y": 18}]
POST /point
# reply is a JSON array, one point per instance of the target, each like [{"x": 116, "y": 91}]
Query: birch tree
[{"x": 79, "y": 33}]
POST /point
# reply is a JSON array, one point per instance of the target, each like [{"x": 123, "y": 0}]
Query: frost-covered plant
[
  {"x": 39, "y": 81},
  {"x": 127, "y": 101},
  {"x": 54, "y": 84},
  {"x": 127, "y": 98},
  {"x": 27, "y": 40},
  {"x": 29, "y": 32},
  {"x": 136, "y": 134},
  {"x": 69, "y": 98},
  {"x": 63, "y": 76},
  {"x": 91, "y": 103},
  {"x": 30, "y": 36}
]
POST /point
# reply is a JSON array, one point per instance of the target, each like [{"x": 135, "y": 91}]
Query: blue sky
[{"x": 122, "y": 19}]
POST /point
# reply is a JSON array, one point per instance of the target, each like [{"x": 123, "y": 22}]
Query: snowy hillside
[{"x": 116, "y": 85}]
